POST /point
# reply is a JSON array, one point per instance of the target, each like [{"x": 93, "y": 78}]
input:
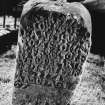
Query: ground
[
  {"x": 7, "y": 69},
  {"x": 89, "y": 87}
]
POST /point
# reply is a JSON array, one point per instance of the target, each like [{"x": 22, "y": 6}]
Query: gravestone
[{"x": 53, "y": 43}]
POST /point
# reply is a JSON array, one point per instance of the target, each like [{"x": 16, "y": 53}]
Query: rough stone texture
[{"x": 53, "y": 44}]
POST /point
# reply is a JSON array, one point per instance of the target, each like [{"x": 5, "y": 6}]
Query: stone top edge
[{"x": 75, "y": 8}]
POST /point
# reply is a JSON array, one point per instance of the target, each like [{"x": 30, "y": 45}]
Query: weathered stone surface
[{"x": 53, "y": 43}]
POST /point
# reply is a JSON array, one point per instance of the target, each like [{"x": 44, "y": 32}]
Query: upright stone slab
[{"x": 53, "y": 43}]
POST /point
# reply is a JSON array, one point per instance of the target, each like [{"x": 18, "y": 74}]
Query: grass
[
  {"x": 7, "y": 70},
  {"x": 91, "y": 87}
]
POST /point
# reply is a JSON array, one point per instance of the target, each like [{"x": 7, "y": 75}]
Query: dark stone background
[{"x": 98, "y": 32}]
